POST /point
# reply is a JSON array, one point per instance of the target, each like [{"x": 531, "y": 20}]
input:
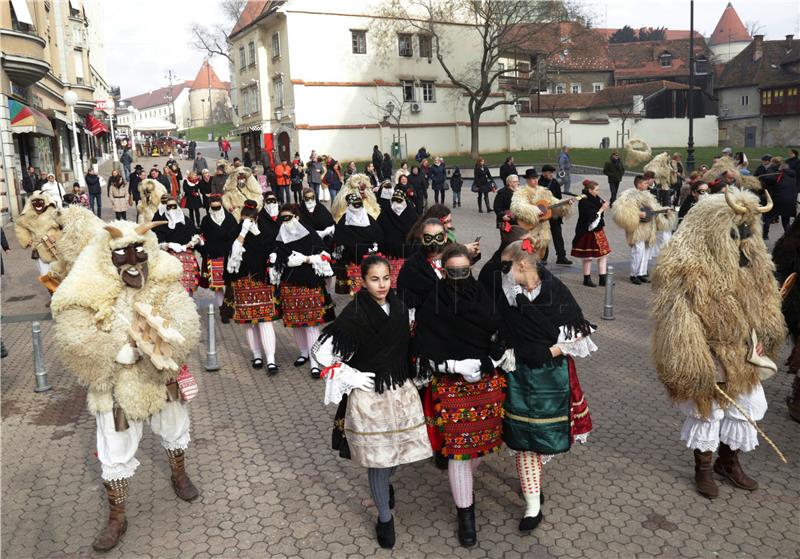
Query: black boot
[
  {"x": 391, "y": 496},
  {"x": 587, "y": 281},
  {"x": 466, "y": 526},
  {"x": 635, "y": 280},
  {"x": 602, "y": 281},
  {"x": 385, "y": 533}
]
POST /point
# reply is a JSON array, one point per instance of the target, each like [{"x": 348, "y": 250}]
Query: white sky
[{"x": 145, "y": 38}]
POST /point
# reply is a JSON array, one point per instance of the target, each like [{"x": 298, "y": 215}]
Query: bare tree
[
  {"x": 498, "y": 27},
  {"x": 621, "y": 100},
  {"x": 549, "y": 105},
  {"x": 213, "y": 39},
  {"x": 753, "y": 27},
  {"x": 393, "y": 109}
]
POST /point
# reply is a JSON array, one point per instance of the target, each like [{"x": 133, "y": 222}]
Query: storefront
[
  {"x": 33, "y": 138},
  {"x": 250, "y": 137}
]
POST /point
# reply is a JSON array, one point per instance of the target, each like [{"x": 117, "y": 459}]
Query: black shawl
[
  {"x": 303, "y": 275},
  {"x": 319, "y": 219},
  {"x": 587, "y": 213},
  {"x": 256, "y": 257},
  {"x": 370, "y": 341},
  {"x": 268, "y": 224},
  {"x": 356, "y": 242},
  {"x": 455, "y": 325},
  {"x": 182, "y": 233},
  {"x": 416, "y": 280},
  {"x": 491, "y": 278},
  {"x": 532, "y": 327},
  {"x": 218, "y": 238},
  {"x": 395, "y": 230}
]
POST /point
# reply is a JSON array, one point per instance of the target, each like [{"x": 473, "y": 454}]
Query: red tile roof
[
  {"x": 729, "y": 29},
  {"x": 157, "y": 97},
  {"x": 669, "y": 35},
  {"x": 253, "y": 11},
  {"x": 643, "y": 60},
  {"x": 609, "y": 97},
  {"x": 569, "y": 45},
  {"x": 207, "y": 78}
]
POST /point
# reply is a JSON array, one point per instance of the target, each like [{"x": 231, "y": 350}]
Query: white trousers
[
  {"x": 727, "y": 425},
  {"x": 117, "y": 450},
  {"x": 640, "y": 256},
  {"x": 662, "y": 238},
  {"x": 42, "y": 267}
]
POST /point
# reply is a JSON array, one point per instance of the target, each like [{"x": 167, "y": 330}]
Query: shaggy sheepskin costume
[
  {"x": 33, "y": 226},
  {"x": 640, "y": 235},
  {"x": 359, "y": 184},
  {"x": 526, "y": 211},
  {"x": 93, "y": 310},
  {"x": 716, "y": 300},
  {"x": 78, "y": 226},
  {"x": 636, "y": 153},
  {"x": 150, "y": 192},
  {"x": 234, "y": 195},
  {"x": 665, "y": 173},
  {"x": 726, "y": 163}
]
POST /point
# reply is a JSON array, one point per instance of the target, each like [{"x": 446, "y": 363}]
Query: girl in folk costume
[
  {"x": 219, "y": 229},
  {"x": 303, "y": 265},
  {"x": 491, "y": 276},
  {"x": 396, "y": 223},
  {"x": 179, "y": 238},
  {"x": 356, "y": 235},
  {"x": 316, "y": 216},
  {"x": 367, "y": 371},
  {"x": 545, "y": 411},
  {"x": 255, "y": 301},
  {"x": 192, "y": 195},
  {"x": 423, "y": 269},
  {"x": 590, "y": 239},
  {"x": 455, "y": 329}
]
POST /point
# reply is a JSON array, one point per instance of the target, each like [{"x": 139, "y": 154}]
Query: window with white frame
[
  {"x": 701, "y": 65},
  {"x": 277, "y": 92},
  {"x": 745, "y": 100},
  {"x": 425, "y": 46},
  {"x": 251, "y": 51},
  {"x": 428, "y": 92},
  {"x": 666, "y": 59},
  {"x": 359, "y": 40},
  {"x": 408, "y": 90},
  {"x": 597, "y": 86},
  {"x": 276, "y": 45},
  {"x": 560, "y": 88},
  {"x": 242, "y": 59},
  {"x": 575, "y": 88},
  {"x": 404, "y": 45},
  {"x": 78, "y": 67}
]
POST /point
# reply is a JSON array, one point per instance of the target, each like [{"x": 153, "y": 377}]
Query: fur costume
[
  {"x": 526, "y": 212},
  {"x": 636, "y": 153},
  {"x": 233, "y": 197},
  {"x": 354, "y": 185},
  {"x": 92, "y": 309},
  {"x": 150, "y": 192},
  {"x": 31, "y": 227},
  {"x": 626, "y": 214},
  {"x": 225, "y": 163},
  {"x": 712, "y": 289},
  {"x": 78, "y": 225},
  {"x": 726, "y": 163},
  {"x": 665, "y": 173}
]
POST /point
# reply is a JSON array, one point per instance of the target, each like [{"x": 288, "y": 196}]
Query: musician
[{"x": 549, "y": 182}]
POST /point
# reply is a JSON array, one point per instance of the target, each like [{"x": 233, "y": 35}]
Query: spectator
[
  {"x": 133, "y": 186},
  {"x": 507, "y": 168},
  {"x": 417, "y": 183},
  {"x": 741, "y": 163},
  {"x": 157, "y": 175},
  {"x": 79, "y": 196},
  {"x": 247, "y": 161},
  {"x": 28, "y": 183},
  {"x": 438, "y": 176},
  {"x": 502, "y": 202},
  {"x": 173, "y": 176},
  {"x": 422, "y": 154},
  {"x": 218, "y": 181},
  {"x": 126, "y": 161},
  {"x": 456, "y": 182},
  {"x": 283, "y": 174},
  {"x": 199, "y": 163},
  {"x": 386, "y": 168},
  {"x": 236, "y": 162},
  {"x": 403, "y": 170},
  {"x": 333, "y": 178},
  {"x": 226, "y": 147},
  {"x": 794, "y": 164},
  {"x": 564, "y": 168},
  {"x": 314, "y": 173},
  {"x": 120, "y": 197},
  {"x": 614, "y": 170},
  {"x": 114, "y": 173},
  {"x": 698, "y": 190},
  {"x": 483, "y": 184},
  {"x": 42, "y": 180},
  {"x": 95, "y": 191},
  {"x": 781, "y": 184},
  {"x": 194, "y": 201},
  {"x": 296, "y": 179},
  {"x": 192, "y": 149},
  {"x": 206, "y": 187},
  {"x": 369, "y": 170},
  {"x": 761, "y": 169},
  {"x": 351, "y": 170},
  {"x": 377, "y": 158}
]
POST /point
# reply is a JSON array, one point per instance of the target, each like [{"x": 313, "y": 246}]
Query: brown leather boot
[
  {"x": 183, "y": 486},
  {"x": 793, "y": 401},
  {"x": 703, "y": 476},
  {"x": 108, "y": 538},
  {"x": 727, "y": 465}
]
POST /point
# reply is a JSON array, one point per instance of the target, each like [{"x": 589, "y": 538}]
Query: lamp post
[
  {"x": 203, "y": 101},
  {"x": 70, "y": 99},
  {"x": 113, "y": 137},
  {"x": 690, "y": 107}
]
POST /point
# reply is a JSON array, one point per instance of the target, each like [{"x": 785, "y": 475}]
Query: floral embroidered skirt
[
  {"x": 465, "y": 419},
  {"x": 191, "y": 271},
  {"x": 213, "y": 272},
  {"x": 254, "y": 301},
  {"x": 305, "y": 306},
  {"x": 592, "y": 244}
]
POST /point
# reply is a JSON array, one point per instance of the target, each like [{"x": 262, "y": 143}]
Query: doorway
[
  {"x": 284, "y": 153},
  {"x": 749, "y": 136}
]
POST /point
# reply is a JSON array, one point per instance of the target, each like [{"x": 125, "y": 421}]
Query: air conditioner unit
[{"x": 415, "y": 107}]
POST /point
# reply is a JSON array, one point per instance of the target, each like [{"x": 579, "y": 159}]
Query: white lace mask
[
  {"x": 310, "y": 206},
  {"x": 272, "y": 209},
  {"x": 399, "y": 207}
]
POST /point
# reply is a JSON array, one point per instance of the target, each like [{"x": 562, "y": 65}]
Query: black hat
[
  {"x": 138, "y": 167},
  {"x": 398, "y": 195},
  {"x": 546, "y": 168},
  {"x": 354, "y": 199},
  {"x": 531, "y": 173},
  {"x": 766, "y": 157}
]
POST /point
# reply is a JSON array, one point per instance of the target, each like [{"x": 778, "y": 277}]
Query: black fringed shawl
[
  {"x": 455, "y": 325},
  {"x": 532, "y": 327},
  {"x": 395, "y": 230},
  {"x": 356, "y": 241},
  {"x": 319, "y": 219},
  {"x": 369, "y": 340},
  {"x": 587, "y": 213},
  {"x": 416, "y": 280}
]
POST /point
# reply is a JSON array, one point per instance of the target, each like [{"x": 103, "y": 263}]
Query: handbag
[
  {"x": 474, "y": 187},
  {"x": 187, "y": 385}
]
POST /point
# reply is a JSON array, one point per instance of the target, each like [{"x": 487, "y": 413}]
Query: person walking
[
  {"x": 247, "y": 161},
  {"x": 95, "y": 191},
  {"x": 126, "y": 159},
  {"x": 283, "y": 174},
  {"x": 614, "y": 170},
  {"x": 333, "y": 178},
  {"x": 564, "y": 168},
  {"x": 120, "y": 197},
  {"x": 507, "y": 168},
  {"x": 377, "y": 159},
  {"x": 199, "y": 164},
  {"x": 438, "y": 176},
  {"x": 456, "y": 183},
  {"x": 482, "y": 184}
]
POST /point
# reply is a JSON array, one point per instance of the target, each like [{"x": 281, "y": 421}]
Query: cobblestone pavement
[{"x": 271, "y": 486}]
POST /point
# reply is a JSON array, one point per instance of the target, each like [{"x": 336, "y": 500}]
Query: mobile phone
[{"x": 477, "y": 239}]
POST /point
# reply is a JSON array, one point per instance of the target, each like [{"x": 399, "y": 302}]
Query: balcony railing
[{"x": 509, "y": 83}]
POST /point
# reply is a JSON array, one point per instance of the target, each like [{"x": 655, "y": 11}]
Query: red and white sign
[{"x": 100, "y": 104}]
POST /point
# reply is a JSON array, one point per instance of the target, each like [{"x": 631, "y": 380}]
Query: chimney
[
  {"x": 789, "y": 38},
  {"x": 758, "y": 47}
]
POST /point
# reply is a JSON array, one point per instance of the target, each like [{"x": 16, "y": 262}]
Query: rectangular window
[
  {"x": 666, "y": 60},
  {"x": 723, "y": 133},
  {"x": 766, "y": 97},
  {"x": 251, "y": 47},
  {"x": 78, "y": 67},
  {"x": 359, "y": 40},
  {"x": 242, "y": 59},
  {"x": 277, "y": 90},
  {"x": 701, "y": 66},
  {"x": 404, "y": 45},
  {"x": 425, "y": 46},
  {"x": 408, "y": 90},
  {"x": 428, "y": 92},
  {"x": 560, "y": 88},
  {"x": 524, "y": 105},
  {"x": 575, "y": 88},
  {"x": 276, "y": 45},
  {"x": 597, "y": 87},
  {"x": 745, "y": 100},
  {"x": 778, "y": 96}
]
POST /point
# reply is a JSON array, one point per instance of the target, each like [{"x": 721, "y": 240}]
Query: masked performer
[
  {"x": 396, "y": 223},
  {"x": 423, "y": 269},
  {"x": 590, "y": 238},
  {"x": 545, "y": 411},
  {"x": 240, "y": 186},
  {"x": 316, "y": 216},
  {"x": 638, "y": 213},
  {"x": 492, "y": 276},
  {"x": 356, "y": 235},
  {"x": 36, "y": 227},
  {"x": 219, "y": 229},
  {"x": 78, "y": 225},
  {"x": 178, "y": 238},
  {"x": 119, "y": 275},
  {"x": 718, "y": 327},
  {"x": 366, "y": 359},
  {"x": 303, "y": 265},
  {"x": 464, "y": 401},
  {"x": 786, "y": 256},
  {"x": 356, "y": 184},
  {"x": 255, "y": 297},
  {"x": 151, "y": 193},
  {"x": 384, "y": 195},
  {"x": 531, "y": 208}
]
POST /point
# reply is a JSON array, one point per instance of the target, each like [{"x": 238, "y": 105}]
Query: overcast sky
[{"x": 146, "y": 38}]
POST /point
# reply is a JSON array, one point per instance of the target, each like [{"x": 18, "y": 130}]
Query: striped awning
[
  {"x": 27, "y": 120},
  {"x": 95, "y": 127}
]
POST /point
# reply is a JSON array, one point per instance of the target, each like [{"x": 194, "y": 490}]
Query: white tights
[
  {"x": 461, "y": 473},
  {"x": 261, "y": 335},
  {"x": 219, "y": 297},
  {"x": 602, "y": 265},
  {"x": 305, "y": 338},
  {"x": 529, "y": 468}
]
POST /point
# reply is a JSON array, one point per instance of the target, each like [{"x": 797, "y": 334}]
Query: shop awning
[
  {"x": 27, "y": 120},
  {"x": 244, "y": 129},
  {"x": 94, "y": 126},
  {"x": 21, "y": 11},
  {"x": 153, "y": 125}
]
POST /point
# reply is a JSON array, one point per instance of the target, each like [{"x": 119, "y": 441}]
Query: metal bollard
[
  {"x": 38, "y": 360},
  {"x": 212, "y": 363},
  {"x": 608, "y": 308}
]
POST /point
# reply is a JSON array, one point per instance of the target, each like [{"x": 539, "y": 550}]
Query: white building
[
  {"x": 730, "y": 36},
  {"x": 159, "y": 103}
]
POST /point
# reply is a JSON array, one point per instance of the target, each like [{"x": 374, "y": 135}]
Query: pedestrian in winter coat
[
  {"x": 247, "y": 161},
  {"x": 417, "y": 182},
  {"x": 120, "y": 197},
  {"x": 377, "y": 159},
  {"x": 614, "y": 170},
  {"x": 194, "y": 200},
  {"x": 507, "y": 168},
  {"x": 483, "y": 184},
  {"x": 314, "y": 174},
  {"x": 369, "y": 170},
  {"x": 199, "y": 164},
  {"x": 133, "y": 185},
  {"x": 780, "y": 182},
  {"x": 95, "y": 191},
  {"x": 333, "y": 178},
  {"x": 456, "y": 182},
  {"x": 126, "y": 161},
  {"x": 565, "y": 166},
  {"x": 226, "y": 147},
  {"x": 403, "y": 170},
  {"x": 386, "y": 167},
  {"x": 793, "y": 161},
  {"x": 296, "y": 180},
  {"x": 438, "y": 176}
]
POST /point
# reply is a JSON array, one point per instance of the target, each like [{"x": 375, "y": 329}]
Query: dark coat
[
  {"x": 192, "y": 194},
  {"x": 483, "y": 179},
  {"x": 438, "y": 174},
  {"x": 614, "y": 170},
  {"x": 502, "y": 202},
  {"x": 507, "y": 169},
  {"x": 377, "y": 159},
  {"x": 386, "y": 169},
  {"x": 133, "y": 187},
  {"x": 218, "y": 183},
  {"x": 555, "y": 187},
  {"x": 93, "y": 184},
  {"x": 783, "y": 189},
  {"x": 29, "y": 182}
]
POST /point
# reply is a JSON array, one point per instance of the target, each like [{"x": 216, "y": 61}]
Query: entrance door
[
  {"x": 284, "y": 153},
  {"x": 749, "y": 136}
]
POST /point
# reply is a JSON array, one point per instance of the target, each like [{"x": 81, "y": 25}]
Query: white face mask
[
  {"x": 357, "y": 216},
  {"x": 399, "y": 207},
  {"x": 174, "y": 217},
  {"x": 162, "y": 209},
  {"x": 272, "y": 209},
  {"x": 310, "y": 205},
  {"x": 386, "y": 193},
  {"x": 217, "y": 216},
  {"x": 291, "y": 231}
]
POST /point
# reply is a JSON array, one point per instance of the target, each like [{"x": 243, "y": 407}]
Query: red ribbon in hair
[{"x": 527, "y": 246}]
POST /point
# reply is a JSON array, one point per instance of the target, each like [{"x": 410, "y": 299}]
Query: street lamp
[
  {"x": 71, "y": 99},
  {"x": 203, "y": 101}
]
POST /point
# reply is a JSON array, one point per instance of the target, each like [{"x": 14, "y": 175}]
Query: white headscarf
[
  {"x": 291, "y": 231},
  {"x": 310, "y": 206},
  {"x": 217, "y": 216},
  {"x": 357, "y": 217},
  {"x": 272, "y": 209},
  {"x": 386, "y": 193}
]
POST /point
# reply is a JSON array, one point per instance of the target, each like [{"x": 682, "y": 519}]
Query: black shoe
[
  {"x": 541, "y": 498},
  {"x": 644, "y": 279},
  {"x": 602, "y": 281},
  {"x": 543, "y": 262},
  {"x": 315, "y": 373},
  {"x": 272, "y": 369},
  {"x": 480, "y": 211},
  {"x": 225, "y": 319},
  {"x": 466, "y": 526},
  {"x": 635, "y": 280},
  {"x": 385, "y": 533},
  {"x": 3, "y": 350},
  {"x": 587, "y": 281},
  {"x": 530, "y": 522},
  {"x": 258, "y": 363},
  {"x": 441, "y": 462},
  {"x": 300, "y": 361},
  {"x": 563, "y": 260}
]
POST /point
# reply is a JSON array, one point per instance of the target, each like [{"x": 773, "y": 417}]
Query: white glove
[
  {"x": 326, "y": 232},
  {"x": 321, "y": 267},
  {"x": 274, "y": 276},
  {"x": 163, "y": 246},
  {"x": 296, "y": 259},
  {"x": 176, "y": 247},
  {"x": 273, "y": 257},
  {"x": 195, "y": 240},
  {"x": 507, "y": 361},
  {"x": 356, "y": 379},
  {"x": 246, "y": 224},
  {"x": 470, "y": 369},
  {"x": 235, "y": 258},
  {"x": 128, "y": 355}
]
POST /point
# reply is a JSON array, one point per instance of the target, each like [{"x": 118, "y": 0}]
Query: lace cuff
[{"x": 576, "y": 346}]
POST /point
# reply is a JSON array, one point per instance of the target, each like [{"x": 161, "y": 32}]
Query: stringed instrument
[
  {"x": 650, "y": 213},
  {"x": 547, "y": 208}
]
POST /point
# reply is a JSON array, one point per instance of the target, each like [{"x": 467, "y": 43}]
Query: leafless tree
[
  {"x": 549, "y": 106},
  {"x": 753, "y": 27},
  {"x": 389, "y": 108},
  {"x": 498, "y": 26},
  {"x": 621, "y": 100},
  {"x": 213, "y": 39}
]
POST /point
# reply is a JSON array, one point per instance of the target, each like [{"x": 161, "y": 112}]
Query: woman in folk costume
[
  {"x": 396, "y": 223},
  {"x": 255, "y": 297},
  {"x": 718, "y": 328},
  {"x": 545, "y": 411},
  {"x": 590, "y": 238},
  {"x": 786, "y": 256},
  {"x": 219, "y": 229},
  {"x": 454, "y": 341},
  {"x": 316, "y": 216},
  {"x": 179, "y": 238},
  {"x": 304, "y": 265},
  {"x": 356, "y": 235},
  {"x": 367, "y": 371},
  {"x": 423, "y": 269},
  {"x": 93, "y": 312},
  {"x": 491, "y": 276},
  {"x": 194, "y": 199}
]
